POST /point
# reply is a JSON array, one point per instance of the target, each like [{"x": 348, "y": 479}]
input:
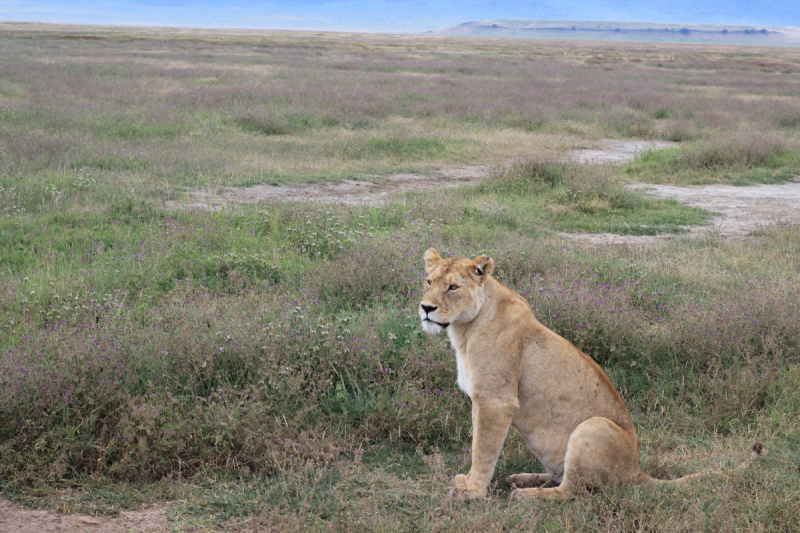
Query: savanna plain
[{"x": 261, "y": 366}]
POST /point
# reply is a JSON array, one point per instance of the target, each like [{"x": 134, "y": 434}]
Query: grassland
[{"x": 262, "y": 367}]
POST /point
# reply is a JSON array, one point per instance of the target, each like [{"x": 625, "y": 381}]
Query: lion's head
[{"x": 453, "y": 290}]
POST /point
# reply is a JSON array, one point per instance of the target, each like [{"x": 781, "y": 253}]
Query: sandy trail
[
  {"x": 19, "y": 519},
  {"x": 373, "y": 193},
  {"x": 742, "y": 209},
  {"x": 346, "y": 192}
]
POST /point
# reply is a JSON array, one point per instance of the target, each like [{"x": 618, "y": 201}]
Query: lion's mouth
[{"x": 443, "y": 326}]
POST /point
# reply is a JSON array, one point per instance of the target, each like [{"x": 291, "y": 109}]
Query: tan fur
[{"x": 520, "y": 373}]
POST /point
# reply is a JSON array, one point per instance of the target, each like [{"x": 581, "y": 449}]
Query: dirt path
[
  {"x": 617, "y": 151},
  {"x": 373, "y": 193},
  {"x": 742, "y": 210},
  {"x": 345, "y": 192},
  {"x": 19, "y": 519}
]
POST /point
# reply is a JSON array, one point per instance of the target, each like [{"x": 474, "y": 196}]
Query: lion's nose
[{"x": 429, "y": 308}]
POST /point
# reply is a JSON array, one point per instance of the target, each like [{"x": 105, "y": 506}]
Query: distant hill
[{"x": 628, "y": 31}]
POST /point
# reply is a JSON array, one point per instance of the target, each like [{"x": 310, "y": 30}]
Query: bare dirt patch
[
  {"x": 742, "y": 210},
  {"x": 19, "y": 519},
  {"x": 345, "y": 192},
  {"x": 377, "y": 190},
  {"x": 616, "y": 151}
]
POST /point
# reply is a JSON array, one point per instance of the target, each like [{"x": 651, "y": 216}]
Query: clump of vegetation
[
  {"x": 581, "y": 198},
  {"x": 740, "y": 159},
  {"x": 264, "y": 125},
  {"x": 530, "y": 176},
  {"x": 739, "y": 150}
]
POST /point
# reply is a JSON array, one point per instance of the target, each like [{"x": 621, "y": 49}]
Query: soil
[
  {"x": 617, "y": 151},
  {"x": 376, "y": 191},
  {"x": 345, "y": 192},
  {"x": 741, "y": 210},
  {"x": 19, "y": 519}
]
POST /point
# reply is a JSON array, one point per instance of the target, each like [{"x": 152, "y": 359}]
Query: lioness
[{"x": 519, "y": 373}]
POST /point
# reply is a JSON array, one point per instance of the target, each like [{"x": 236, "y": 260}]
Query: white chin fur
[{"x": 431, "y": 328}]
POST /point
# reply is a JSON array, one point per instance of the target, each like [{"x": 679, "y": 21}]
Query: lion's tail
[{"x": 756, "y": 452}]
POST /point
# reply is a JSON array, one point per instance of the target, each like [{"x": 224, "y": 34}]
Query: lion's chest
[
  {"x": 464, "y": 368},
  {"x": 464, "y": 378}
]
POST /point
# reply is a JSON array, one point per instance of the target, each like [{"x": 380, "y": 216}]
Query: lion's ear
[
  {"x": 482, "y": 266},
  {"x": 431, "y": 258}
]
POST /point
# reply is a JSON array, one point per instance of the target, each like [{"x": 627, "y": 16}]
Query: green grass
[
  {"x": 404, "y": 148},
  {"x": 340, "y": 259},
  {"x": 645, "y": 217},
  {"x": 541, "y": 194},
  {"x": 704, "y": 165},
  {"x": 137, "y": 131}
]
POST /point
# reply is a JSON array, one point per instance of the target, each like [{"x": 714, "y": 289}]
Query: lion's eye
[
  {"x": 452, "y": 287},
  {"x": 428, "y": 282}
]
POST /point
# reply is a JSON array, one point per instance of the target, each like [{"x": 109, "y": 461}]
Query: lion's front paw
[{"x": 462, "y": 487}]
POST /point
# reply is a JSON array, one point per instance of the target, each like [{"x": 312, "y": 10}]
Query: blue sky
[{"x": 392, "y": 15}]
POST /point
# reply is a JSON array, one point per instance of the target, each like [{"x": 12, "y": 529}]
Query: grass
[
  {"x": 262, "y": 367},
  {"x": 131, "y": 364},
  {"x": 741, "y": 159},
  {"x": 581, "y": 199},
  {"x": 263, "y": 125},
  {"x": 273, "y": 108}
]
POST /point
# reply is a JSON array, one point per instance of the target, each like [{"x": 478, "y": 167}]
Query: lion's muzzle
[{"x": 429, "y": 322}]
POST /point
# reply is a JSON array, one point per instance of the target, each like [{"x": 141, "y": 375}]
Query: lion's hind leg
[
  {"x": 524, "y": 481},
  {"x": 599, "y": 452},
  {"x": 562, "y": 492}
]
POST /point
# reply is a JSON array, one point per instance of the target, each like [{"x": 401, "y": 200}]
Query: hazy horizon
[{"x": 400, "y": 16}]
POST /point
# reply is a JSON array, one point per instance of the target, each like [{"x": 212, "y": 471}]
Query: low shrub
[
  {"x": 594, "y": 189},
  {"x": 529, "y": 176},
  {"x": 734, "y": 150},
  {"x": 256, "y": 379},
  {"x": 263, "y": 124},
  {"x": 791, "y": 121}
]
